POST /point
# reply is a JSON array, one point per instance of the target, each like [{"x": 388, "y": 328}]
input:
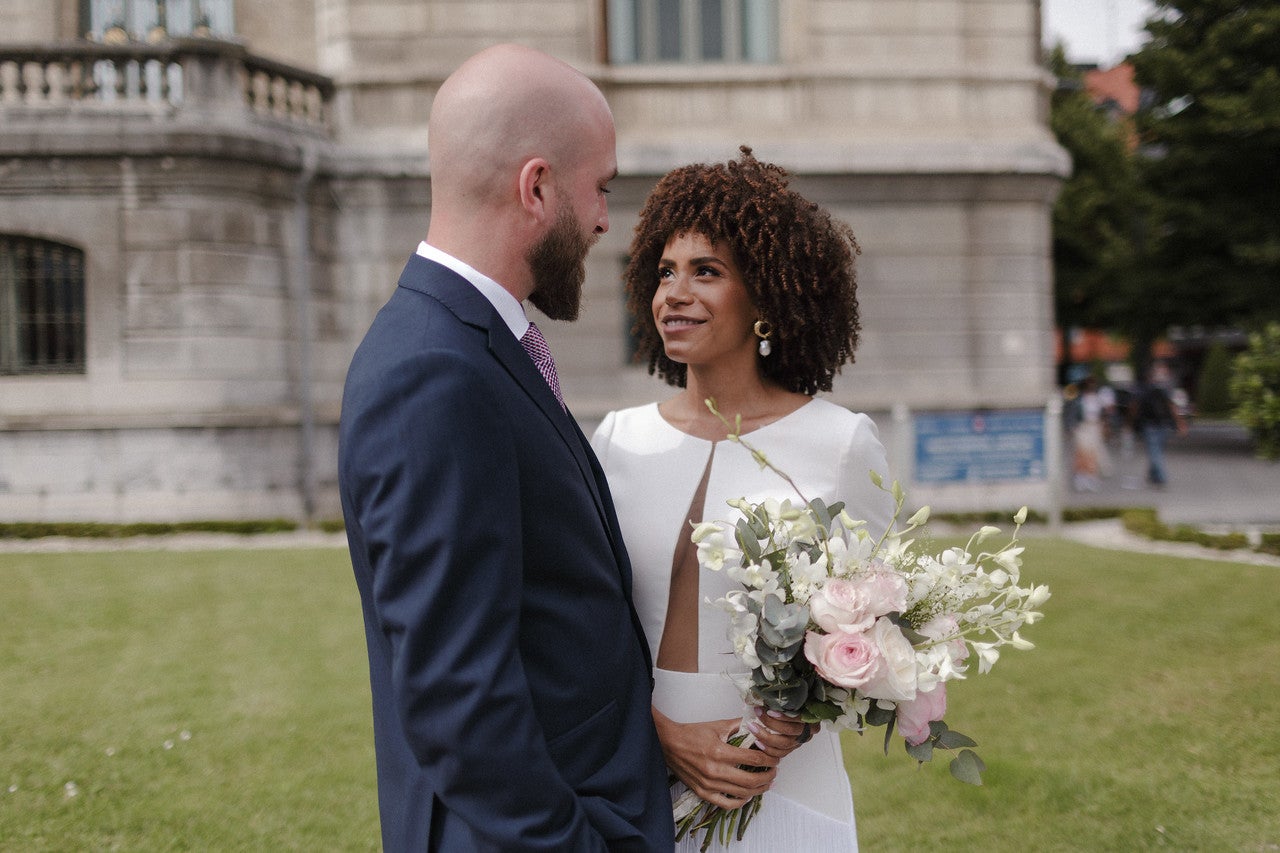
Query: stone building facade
[{"x": 241, "y": 182}]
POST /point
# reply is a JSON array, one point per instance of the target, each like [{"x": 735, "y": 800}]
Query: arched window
[
  {"x": 41, "y": 307},
  {"x": 155, "y": 20}
]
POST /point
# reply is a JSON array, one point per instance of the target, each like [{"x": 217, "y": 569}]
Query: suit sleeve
[{"x": 438, "y": 498}]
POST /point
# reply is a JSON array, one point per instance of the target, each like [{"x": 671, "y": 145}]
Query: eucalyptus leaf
[
  {"x": 822, "y": 711},
  {"x": 922, "y": 751},
  {"x": 968, "y": 767},
  {"x": 952, "y": 739},
  {"x": 821, "y": 513},
  {"x": 785, "y": 696},
  {"x": 770, "y": 654},
  {"x": 783, "y": 625},
  {"x": 749, "y": 544},
  {"x": 888, "y": 733},
  {"x": 877, "y": 716}
]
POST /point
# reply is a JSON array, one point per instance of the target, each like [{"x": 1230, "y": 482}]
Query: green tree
[
  {"x": 1213, "y": 397},
  {"x": 1098, "y": 211},
  {"x": 1210, "y": 132},
  {"x": 1255, "y": 387}
]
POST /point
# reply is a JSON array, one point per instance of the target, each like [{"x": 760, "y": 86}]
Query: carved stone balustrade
[{"x": 167, "y": 78}]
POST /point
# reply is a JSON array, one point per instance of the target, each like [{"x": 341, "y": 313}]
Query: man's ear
[{"x": 535, "y": 187}]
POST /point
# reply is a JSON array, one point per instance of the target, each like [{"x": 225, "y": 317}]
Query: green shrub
[
  {"x": 1231, "y": 541},
  {"x": 1144, "y": 522},
  {"x": 1255, "y": 388},
  {"x": 1213, "y": 394},
  {"x": 99, "y": 530}
]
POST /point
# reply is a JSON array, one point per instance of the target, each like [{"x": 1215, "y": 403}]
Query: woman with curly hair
[{"x": 744, "y": 292}]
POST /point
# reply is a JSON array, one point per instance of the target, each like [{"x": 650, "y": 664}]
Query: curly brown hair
[{"x": 797, "y": 265}]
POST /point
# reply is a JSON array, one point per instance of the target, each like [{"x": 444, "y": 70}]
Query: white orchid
[
  {"x": 713, "y": 546},
  {"x": 754, "y": 575},
  {"x": 988, "y": 654}
]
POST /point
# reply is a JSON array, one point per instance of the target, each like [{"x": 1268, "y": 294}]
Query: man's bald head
[{"x": 500, "y": 108}]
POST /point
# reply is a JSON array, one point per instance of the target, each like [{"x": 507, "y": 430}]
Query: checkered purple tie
[{"x": 536, "y": 345}]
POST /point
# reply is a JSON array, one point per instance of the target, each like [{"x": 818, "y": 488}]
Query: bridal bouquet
[{"x": 840, "y": 625}]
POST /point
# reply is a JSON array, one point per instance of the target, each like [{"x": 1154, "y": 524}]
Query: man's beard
[{"x": 558, "y": 265}]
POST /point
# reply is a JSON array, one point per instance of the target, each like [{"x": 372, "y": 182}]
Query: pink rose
[
  {"x": 895, "y": 679},
  {"x": 843, "y": 659},
  {"x": 914, "y": 715},
  {"x": 852, "y": 605}
]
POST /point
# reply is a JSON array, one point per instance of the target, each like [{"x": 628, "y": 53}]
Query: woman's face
[{"x": 701, "y": 306}]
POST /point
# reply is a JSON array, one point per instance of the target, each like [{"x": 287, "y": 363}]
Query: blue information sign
[{"x": 981, "y": 446}]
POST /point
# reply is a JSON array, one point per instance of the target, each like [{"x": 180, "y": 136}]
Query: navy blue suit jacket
[{"x": 509, "y": 673}]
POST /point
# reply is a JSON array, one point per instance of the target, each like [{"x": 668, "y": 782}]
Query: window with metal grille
[
  {"x": 692, "y": 31},
  {"x": 41, "y": 307}
]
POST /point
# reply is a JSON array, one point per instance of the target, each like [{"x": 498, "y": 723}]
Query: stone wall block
[
  {"x": 250, "y": 270},
  {"x": 155, "y": 226}
]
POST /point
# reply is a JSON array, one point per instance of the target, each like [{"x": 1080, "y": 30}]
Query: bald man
[{"x": 510, "y": 676}]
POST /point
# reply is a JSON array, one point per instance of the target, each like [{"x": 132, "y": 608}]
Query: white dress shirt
[{"x": 507, "y": 306}]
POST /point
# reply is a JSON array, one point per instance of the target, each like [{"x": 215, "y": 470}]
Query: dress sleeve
[
  {"x": 601, "y": 438},
  {"x": 863, "y": 454}
]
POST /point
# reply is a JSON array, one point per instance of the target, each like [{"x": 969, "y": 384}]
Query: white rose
[{"x": 896, "y": 679}]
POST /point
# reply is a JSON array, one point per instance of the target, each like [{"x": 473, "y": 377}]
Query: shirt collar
[{"x": 507, "y": 306}]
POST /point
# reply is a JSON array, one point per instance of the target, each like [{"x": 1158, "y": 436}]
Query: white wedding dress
[{"x": 653, "y": 471}]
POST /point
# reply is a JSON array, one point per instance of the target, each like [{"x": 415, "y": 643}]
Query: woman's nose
[{"x": 677, "y": 291}]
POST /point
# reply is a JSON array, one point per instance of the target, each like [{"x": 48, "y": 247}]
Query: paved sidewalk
[
  {"x": 1215, "y": 482},
  {"x": 1111, "y": 535}
]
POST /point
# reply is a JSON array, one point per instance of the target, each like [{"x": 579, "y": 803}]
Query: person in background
[
  {"x": 1092, "y": 460},
  {"x": 1155, "y": 418}
]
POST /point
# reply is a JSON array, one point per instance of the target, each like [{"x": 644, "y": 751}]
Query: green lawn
[
  {"x": 1147, "y": 718},
  {"x": 219, "y": 701},
  {"x": 196, "y": 701}
]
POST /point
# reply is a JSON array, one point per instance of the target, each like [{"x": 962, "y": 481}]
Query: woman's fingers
[
  {"x": 701, "y": 757},
  {"x": 728, "y": 785},
  {"x": 779, "y": 734}
]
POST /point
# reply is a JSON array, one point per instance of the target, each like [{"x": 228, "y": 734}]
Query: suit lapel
[{"x": 469, "y": 305}]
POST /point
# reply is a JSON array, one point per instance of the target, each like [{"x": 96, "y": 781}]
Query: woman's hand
[
  {"x": 779, "y": 735},
  {"x": 701, "y": 757}
]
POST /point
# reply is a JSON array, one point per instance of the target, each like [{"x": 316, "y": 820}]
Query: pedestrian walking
[{"x": 1155, "y": 418}]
